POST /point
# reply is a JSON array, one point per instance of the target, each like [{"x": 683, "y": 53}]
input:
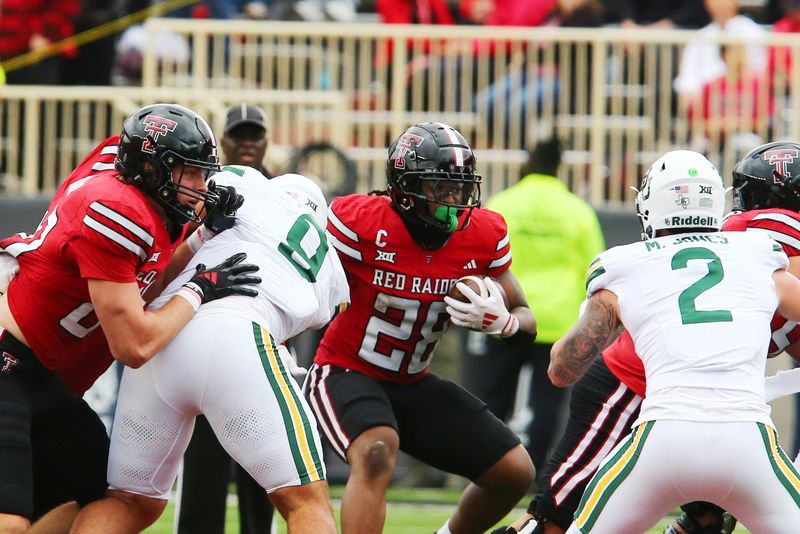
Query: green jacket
[{"x": 554, "y": 236}]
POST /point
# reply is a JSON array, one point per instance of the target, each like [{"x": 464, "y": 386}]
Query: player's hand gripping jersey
[
  {"x": 397, "y": 314},
  {"x": 288, "y": 245},
  {"x": 95, "y": 227},
  {"x": 667, "y": 287}
]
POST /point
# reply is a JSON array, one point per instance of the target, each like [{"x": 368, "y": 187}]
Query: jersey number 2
[{"x": 689, "y": 312}]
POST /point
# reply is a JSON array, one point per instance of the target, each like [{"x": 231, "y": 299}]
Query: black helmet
[
  {"x": 432, "y": 162},
  {"x": 768, "y": 177},
  {"x": 157, "y": 138}
]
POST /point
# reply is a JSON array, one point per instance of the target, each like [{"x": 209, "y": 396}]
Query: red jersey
[
  {"x": 397, "y": 288},
  {"x": 95, "y": 227},
  {"x": 781, "y": 225}
]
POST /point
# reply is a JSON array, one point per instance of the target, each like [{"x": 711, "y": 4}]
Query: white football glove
[
  {"x": 483, "y": 314},
  {"x": 8, "y": 269},
  {"x": 297, "y": 372}
]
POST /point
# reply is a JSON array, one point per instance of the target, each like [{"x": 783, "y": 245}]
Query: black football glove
[
  {"x": 231, "y": 277},
  {"x": 222, "y": 214}
]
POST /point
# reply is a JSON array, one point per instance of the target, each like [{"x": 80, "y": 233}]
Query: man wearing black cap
[
  {"x": 244, "y": 140},
  {"x": 206, "y": 466}
]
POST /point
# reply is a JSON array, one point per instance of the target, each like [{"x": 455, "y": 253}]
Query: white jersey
[
  {"x": 278, "y": 236},
  {"x": 698, "y": 307}
]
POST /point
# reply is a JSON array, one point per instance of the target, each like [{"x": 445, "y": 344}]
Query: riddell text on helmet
[{"x": 697, "y": 220}]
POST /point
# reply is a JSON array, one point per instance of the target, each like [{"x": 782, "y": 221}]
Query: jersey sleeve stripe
[
  {"x": 780, "y": 218},
  {"x": 114, "y": 236},
  {"x": 99, "y": 166},
  {"x": 345, "y": 249},
  {"x": 599, "y": 270},
  {"x": 123, "y": 221},
  {"x": 339, "y": 225},
  {"x": 499, "y": 262},
  {"x": 110, "y": 149},
  {"x": 502, "y": 243},
  {"x": 780, "y": 237}
]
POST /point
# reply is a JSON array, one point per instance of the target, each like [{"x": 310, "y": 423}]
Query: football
[{"x": 476, "y": 284}]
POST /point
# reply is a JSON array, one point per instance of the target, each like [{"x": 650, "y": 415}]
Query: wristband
[
  {"x": 511, "y": 327},
  {"x": 192, "y": 294},
  {"x": 198, "y": 237}
]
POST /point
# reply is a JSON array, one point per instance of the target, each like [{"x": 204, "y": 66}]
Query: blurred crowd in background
[{"x": 30, "y": 25}]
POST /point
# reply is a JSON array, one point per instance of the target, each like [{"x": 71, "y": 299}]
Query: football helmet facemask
[
  {"x": 433, "y": 163},
  {"x": 159, "y": 138},
  {"x": 681, "y": 190},
  {"x": 768, "y": 177}
]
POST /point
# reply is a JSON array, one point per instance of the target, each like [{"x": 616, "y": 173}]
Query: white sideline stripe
[
  {"x": 780, "y": 237},
  {"x": 102, "y": 166},
  {"x": 502, "y": 243},
  {"x": 501, "y": 261},
  {"x": 114, "y": 236},
  {"x": 123, "y": 221},
  {"x": 110, "y": 149},
  {"x": 339, "y": 225},
  {"x": 344, "y": 249}
]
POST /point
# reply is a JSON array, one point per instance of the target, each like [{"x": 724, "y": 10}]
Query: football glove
[
  {"x": 483, "y": 314},
  {"x": 9, "y": 267},
  {"x": 298, "y": 372},
  {"x": 222, "y": 214},
  {"x": 231, "y": 277}
]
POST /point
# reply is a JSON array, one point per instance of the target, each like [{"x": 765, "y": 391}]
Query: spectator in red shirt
[
  {"x": 780, "y": 57},
  {"x": 506, "y": 12},
  {"x": 27, "y": 25}
]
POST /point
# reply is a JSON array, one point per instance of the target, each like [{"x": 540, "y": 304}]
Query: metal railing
[
  {"x": 607, "y": 93},
  {"x": 46, "y": 131}
]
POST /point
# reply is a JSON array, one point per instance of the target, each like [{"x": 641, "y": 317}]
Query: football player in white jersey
[
  {"x": 698, "y": 304},
  {"x": 227, "y": 364}
]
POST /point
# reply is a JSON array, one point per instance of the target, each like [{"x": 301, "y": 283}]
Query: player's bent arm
[
  {"x": 573, "y": 354},
  {"x": 794, "y": 266},
  {"x": 787, "y": 288},
  {"x": 180, "y": 259},
  {"x": 517, "y": 303},
  {"x": 135, "y": 335}
]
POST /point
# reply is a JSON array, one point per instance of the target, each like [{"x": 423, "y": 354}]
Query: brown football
[{"x": 476, "y": 284}]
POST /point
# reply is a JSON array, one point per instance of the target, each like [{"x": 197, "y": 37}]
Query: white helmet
[
  {"x": 682, "y": 189},
  {"x": 307, "y": 194}
]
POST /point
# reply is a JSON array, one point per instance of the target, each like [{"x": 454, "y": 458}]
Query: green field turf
[{"x": 410, "y": 511}]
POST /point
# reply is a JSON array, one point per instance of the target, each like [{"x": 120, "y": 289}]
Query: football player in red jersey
[
  {"x": 76, "y": 302},
  {"x": 606, "y": 400},
  {"x": 369, "y": 386}
]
